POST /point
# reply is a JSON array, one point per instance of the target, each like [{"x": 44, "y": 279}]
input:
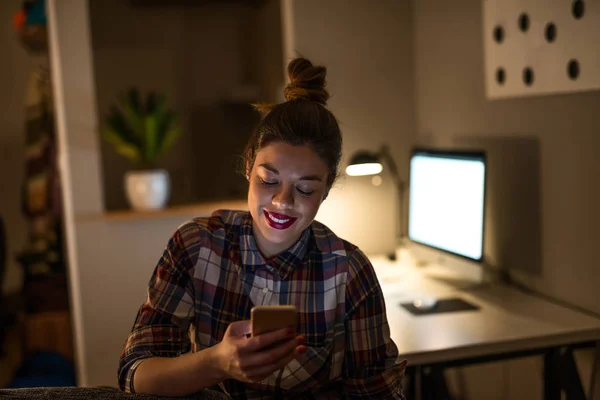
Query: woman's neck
[{"x": 269, "y": 249}]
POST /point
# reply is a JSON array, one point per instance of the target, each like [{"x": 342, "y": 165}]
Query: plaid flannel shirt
[{"x": 212, "y": 273}]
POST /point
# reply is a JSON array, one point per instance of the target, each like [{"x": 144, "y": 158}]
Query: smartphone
[{"x": 270, "y": 318}]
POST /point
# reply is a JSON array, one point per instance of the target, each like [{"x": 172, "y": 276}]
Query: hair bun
[{"x": 307, "y": 82}]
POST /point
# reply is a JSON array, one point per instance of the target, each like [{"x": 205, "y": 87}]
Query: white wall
[
  {"x": 79, "y": 155},
  {"x": 114, "y": 275},
  {"x": 367, "y": 49},
  {"x": 15, "y": 70}
]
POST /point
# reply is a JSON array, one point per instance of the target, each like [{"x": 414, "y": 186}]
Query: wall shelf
[
  {"x": 196, "y": 3},
  {"x": 191, "y": 210}
]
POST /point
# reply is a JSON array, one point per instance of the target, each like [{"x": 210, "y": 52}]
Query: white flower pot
[{"x": 147, "y": 190}]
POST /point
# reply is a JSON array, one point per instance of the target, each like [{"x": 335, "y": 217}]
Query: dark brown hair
[{"x": 303, "y": 119}]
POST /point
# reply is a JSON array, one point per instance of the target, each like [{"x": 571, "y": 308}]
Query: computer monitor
[{"x": 446, "y": 214}]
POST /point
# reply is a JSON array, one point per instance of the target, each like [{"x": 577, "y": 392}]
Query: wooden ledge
[{"x": 193, "y": 210}]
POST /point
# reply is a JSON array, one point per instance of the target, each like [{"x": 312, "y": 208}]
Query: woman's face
[{"x": 287, "y": 185}]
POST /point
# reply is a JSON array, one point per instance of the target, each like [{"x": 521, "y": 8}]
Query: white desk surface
[{"x": 507, "y": 320}]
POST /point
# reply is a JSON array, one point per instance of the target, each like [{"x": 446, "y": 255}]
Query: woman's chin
[{"x": 280, "y": 239}]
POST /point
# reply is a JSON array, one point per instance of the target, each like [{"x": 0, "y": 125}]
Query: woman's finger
[
  {"x": 300, "y": 350},
  {"x": 268, "y": 339},
  {"x": 269, "y": 356}
]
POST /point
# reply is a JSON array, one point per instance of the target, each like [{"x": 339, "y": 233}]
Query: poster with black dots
[{"x": 541, "y": 47}]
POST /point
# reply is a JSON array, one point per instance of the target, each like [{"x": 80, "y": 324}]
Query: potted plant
[{"x": 142, "y": 130}]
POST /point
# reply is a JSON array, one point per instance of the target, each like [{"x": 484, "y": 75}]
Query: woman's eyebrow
[
  {"x": 274, "y": 170},
  {"x": 269, "y": 167}
]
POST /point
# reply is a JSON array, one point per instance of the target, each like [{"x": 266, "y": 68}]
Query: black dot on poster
[
  {"x": 528, "y": 76},
  {"x": 550, "y": 32},
  {"x": 578, "y": 9},
  {"x": 524, "y": 22},
  {"x": 573, "y": 69},
  {"x": 498, "y": 34},
  {"x": 500, "y": 76}
]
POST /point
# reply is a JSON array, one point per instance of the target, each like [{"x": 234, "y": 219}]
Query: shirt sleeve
[
  {"x": 372, "y": 369},
  {"x": 162, "y": 322}
]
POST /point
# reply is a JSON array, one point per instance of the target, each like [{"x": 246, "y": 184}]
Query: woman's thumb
[{"x": 240, "y": 328}]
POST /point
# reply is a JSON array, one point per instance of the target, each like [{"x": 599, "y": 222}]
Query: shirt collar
[{"x": 283, "y": 263}]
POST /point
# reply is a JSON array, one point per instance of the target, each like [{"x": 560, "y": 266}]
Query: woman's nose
[{"x": 283, "y": 199}]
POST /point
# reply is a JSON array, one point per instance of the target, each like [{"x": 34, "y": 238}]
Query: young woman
[{"x": 191, "y": 333}]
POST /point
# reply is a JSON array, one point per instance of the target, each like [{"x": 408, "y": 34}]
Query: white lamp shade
[{"x": 364, "y": 169}]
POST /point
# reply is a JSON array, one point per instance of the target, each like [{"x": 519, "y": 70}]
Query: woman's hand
[{"x": 255, "y": 358}]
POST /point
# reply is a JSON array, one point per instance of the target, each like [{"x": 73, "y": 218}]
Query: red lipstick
[{"x": 279, "y": 221}]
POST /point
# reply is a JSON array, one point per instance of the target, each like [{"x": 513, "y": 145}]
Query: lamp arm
[
  {"x": 400, "y": 185},
  {"x": 385, "y": 153}
]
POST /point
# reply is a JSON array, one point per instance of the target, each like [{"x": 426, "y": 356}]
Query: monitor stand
[{"x": 453, "y": 270}]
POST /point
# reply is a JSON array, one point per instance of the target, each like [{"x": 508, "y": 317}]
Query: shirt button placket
[{"x": 268, "y": 289}]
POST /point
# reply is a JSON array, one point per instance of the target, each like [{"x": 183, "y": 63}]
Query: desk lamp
[{"x": 364, "y": 163}]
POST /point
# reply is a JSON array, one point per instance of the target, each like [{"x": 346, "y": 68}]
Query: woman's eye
[
  {"x": 304, "y": 192},
  {"x": 266, "y": 183}
]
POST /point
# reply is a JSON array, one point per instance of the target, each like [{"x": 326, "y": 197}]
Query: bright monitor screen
[{"x": 447, "y": 201}]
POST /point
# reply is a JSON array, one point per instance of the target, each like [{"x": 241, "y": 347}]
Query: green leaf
[
  {"x": 166, "y": 122},
  {"x": 118, "y": 123},
  {"x": 169, "y": 139},
  {"x": 143, "y": 127},
  {"x": 151, "y": 138},
  {"x": 134, "y": 120},
  {"x": 121, "y": 146}
]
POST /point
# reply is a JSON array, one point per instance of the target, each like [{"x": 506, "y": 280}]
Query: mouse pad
[{"x": 442, "y": 306}]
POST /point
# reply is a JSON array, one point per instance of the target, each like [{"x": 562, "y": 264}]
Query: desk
[{"x": 509, "y": 324}]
